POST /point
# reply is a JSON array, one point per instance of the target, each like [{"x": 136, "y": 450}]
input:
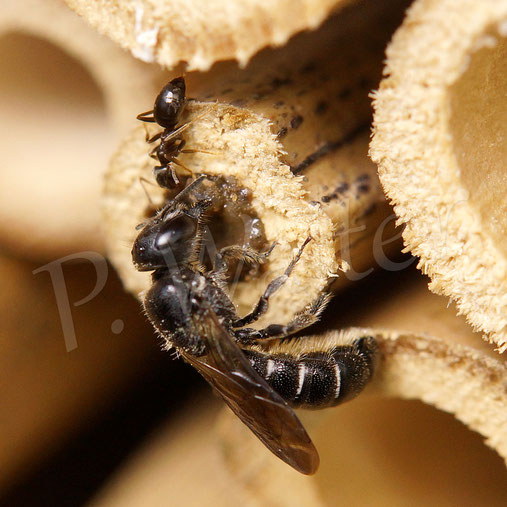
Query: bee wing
[{"x": 249, "y": 396}]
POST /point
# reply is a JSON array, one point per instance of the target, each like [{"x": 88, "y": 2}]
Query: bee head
[{"x": 166, "y": 241}]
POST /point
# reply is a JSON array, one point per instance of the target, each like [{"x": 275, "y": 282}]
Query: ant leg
[
  {"x": 153, "y": 152},
  {"x": 147, "y": 116},
  {"x": 147, "y": 135},
  {"x": 198, "y": 151},
  {"x": 177, "y": 162},
  {"x": 182, "y": 128},
  {"x": 306, "y": 317},
  {"x": 191, "y": 150},
  {"x": 154, "y": 138},
  {"x": 262, "y": 305}
]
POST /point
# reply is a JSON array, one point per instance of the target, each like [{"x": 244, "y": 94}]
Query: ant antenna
[{"x": 143, "y": 181}]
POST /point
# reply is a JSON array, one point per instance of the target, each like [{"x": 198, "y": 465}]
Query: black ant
[{"x": 167, "y": 110}]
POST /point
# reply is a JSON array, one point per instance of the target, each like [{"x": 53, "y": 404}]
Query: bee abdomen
[{"x": 318, "y": 379}]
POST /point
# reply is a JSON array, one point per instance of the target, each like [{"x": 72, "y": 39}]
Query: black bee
[
  {"x": 169, "y": 106},
  {"x": 189, "y": 306}
]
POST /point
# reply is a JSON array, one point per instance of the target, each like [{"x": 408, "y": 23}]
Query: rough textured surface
[
  {"x": 422, "y": 149},
  {"x": 202, "y": 33},
  {"x": 250, "y": 153}
]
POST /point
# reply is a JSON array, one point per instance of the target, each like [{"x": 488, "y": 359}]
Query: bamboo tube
[
  {"x": 50, "y": 386},
  {"x": 284, "y": 109},
  {"x": 68, "y": 96},
  {"x": 440, "y": 142},
  {"x": 374, "y": 451},
  {"x": 202, "y": 33}
]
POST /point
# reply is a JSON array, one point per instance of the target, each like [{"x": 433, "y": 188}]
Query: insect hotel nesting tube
[
  {"x": 202, "y": 33},
  {"x": 441, "y": 145}
]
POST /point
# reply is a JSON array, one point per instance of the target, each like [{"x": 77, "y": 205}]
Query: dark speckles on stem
[
  {"x": 342, "y": 187},
  {"x": 279, "y": 104},
  {"x": 321, "y": 107},
  {"x": 337, "y": 192},
  {"x": 364, "y": 188},
  {"x": 296, "y": 121},
  {"x": 227, "y": 90},
  {"x": 278, "y": 82},
  {"x": 345, "y": 93},
  {"x": 363, "y": 185},
  {"x": 309, "y": 67},
  {"x": 239, "y": 102},
  {"x": 282, "y": 132},
  {"x": 329, "y": 147},
  {"x": 370, "y": 210},
  {"x": 364, "y": 82}
]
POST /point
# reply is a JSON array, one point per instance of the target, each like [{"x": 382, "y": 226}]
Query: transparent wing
[{"x": 249, "y": 396}]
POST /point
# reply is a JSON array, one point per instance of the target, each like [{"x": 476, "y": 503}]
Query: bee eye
[{"x": 176, "y": 231}]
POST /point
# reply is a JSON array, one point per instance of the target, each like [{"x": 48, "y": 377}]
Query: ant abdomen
[{"x": 167, "y": 111}]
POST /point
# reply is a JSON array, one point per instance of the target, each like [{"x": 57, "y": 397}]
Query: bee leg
[
  {"x": 189, "y": 188},
  {"x": 263, "y": 303},
  {"x": 241, "y": 253},
  {"x": 306, "y": 317}
]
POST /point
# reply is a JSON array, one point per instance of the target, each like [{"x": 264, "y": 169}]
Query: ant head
[
  {"x": 166, "y": 241},
  {"x": 170, "y": 103}
]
